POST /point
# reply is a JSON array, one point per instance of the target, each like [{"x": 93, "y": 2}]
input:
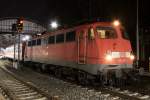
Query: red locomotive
[{"x": 95, "y": 49}]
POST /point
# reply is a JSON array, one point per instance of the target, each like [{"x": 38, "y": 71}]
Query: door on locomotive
[
  {"x": 24, "y": 53},
  {"x": 82, "y": 47}
]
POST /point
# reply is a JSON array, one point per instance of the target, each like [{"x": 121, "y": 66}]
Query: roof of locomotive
[{"x": 64, "y": 30}]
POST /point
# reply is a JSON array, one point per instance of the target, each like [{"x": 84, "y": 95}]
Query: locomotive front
[{"x": 111, "y": 50}]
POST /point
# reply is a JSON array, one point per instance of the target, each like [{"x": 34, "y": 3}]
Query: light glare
[
  {"x": 25, "y": 38},
  {"x": 116, "y": 23},
  {"x": 108, "y": 57},
  {"x": 132, "y": 57},
  {"x": 21, "y": 21},
  {"x": 54, "y": 24}
]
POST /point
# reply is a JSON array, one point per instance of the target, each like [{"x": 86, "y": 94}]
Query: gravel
[{"x": 58, "y": 89}]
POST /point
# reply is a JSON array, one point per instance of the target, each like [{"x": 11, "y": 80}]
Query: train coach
[
  {"x": 92, "y": 49},
  {"x": 12, "y": 53}
]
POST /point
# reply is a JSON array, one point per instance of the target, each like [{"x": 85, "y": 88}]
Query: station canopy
[{"x": 7, "y": 36}]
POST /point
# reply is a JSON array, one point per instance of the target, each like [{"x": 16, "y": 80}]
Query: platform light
[
  {"x": 54, "y": 24},
  {"x": 116, "y": 23},
  {"x": 26, "y": 38}
]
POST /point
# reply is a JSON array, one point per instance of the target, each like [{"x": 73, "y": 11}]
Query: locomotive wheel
[
  {"x": 58, "y": 73},
  {"x": 38, "y": 69},
  {"x": 82, "y": 78},
  {"x": 43, "y": 68}
]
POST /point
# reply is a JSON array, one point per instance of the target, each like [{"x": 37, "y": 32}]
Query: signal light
[
  {"x": 21, "y": 21},
  {"x": 20, "y": 24}
]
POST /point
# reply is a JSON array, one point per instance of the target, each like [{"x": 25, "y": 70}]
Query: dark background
[
  {"x": 70, "y": 11},
  {"x": 73, "y": 11}
]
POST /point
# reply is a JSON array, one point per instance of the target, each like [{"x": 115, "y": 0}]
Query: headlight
[
  {"x": 132, "y": 57},
  {"x": 108, "y": 57}
]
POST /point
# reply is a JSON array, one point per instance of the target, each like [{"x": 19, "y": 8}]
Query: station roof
[{"x": 29, "y": 27}]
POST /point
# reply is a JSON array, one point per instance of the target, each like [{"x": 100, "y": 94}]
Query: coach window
[
  {"x": 91, "y": 34},
  {"x": 38, "y": 41},
  {"x": 60, "y": 38},
  {"x": 101, "y": 34},
  {"x": 51, "y": 40},
  {"x": 29, "y": 43},
  {"x": 33, "y": 42},
  {"x": 44, "y": 41},
  {"x": 70, "y": 36}
]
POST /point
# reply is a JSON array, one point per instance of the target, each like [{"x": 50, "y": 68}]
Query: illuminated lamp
[
  {"x": 108, "y": 57},
  {"x": 116, "y": 23},
  {"x": 54, "y": 24},
  {"x": 132, "y": 57}
]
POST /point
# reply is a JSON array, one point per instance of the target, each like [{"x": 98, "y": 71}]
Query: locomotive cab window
[
  {"x": 106, "y": 33},
  {"x": 60, "y": 38},
  {"x": 91, "y": 34},
  {"x": 70, "y": 36}
]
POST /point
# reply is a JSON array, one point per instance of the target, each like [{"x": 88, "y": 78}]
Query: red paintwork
[{"x": 95, "y": 50}]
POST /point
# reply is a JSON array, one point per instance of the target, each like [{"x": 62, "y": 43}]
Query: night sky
[{"x": 72, "y": 11}]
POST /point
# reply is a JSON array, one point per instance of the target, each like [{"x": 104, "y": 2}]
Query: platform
[{"x": 1, "y": 97}]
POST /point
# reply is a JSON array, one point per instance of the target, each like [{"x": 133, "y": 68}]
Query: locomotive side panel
[
  {"x": 64, "y": 54},
  {"x": 88, "y": 54}
]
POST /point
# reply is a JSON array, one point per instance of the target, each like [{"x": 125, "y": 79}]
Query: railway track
[
  {"x": 120, "y": 94},
  {"x": 126, "y": 94},
  {"x": 112, "y": 93},
  {"x": 65, "y": 90},
  {"x": 16, "y": 89}
]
